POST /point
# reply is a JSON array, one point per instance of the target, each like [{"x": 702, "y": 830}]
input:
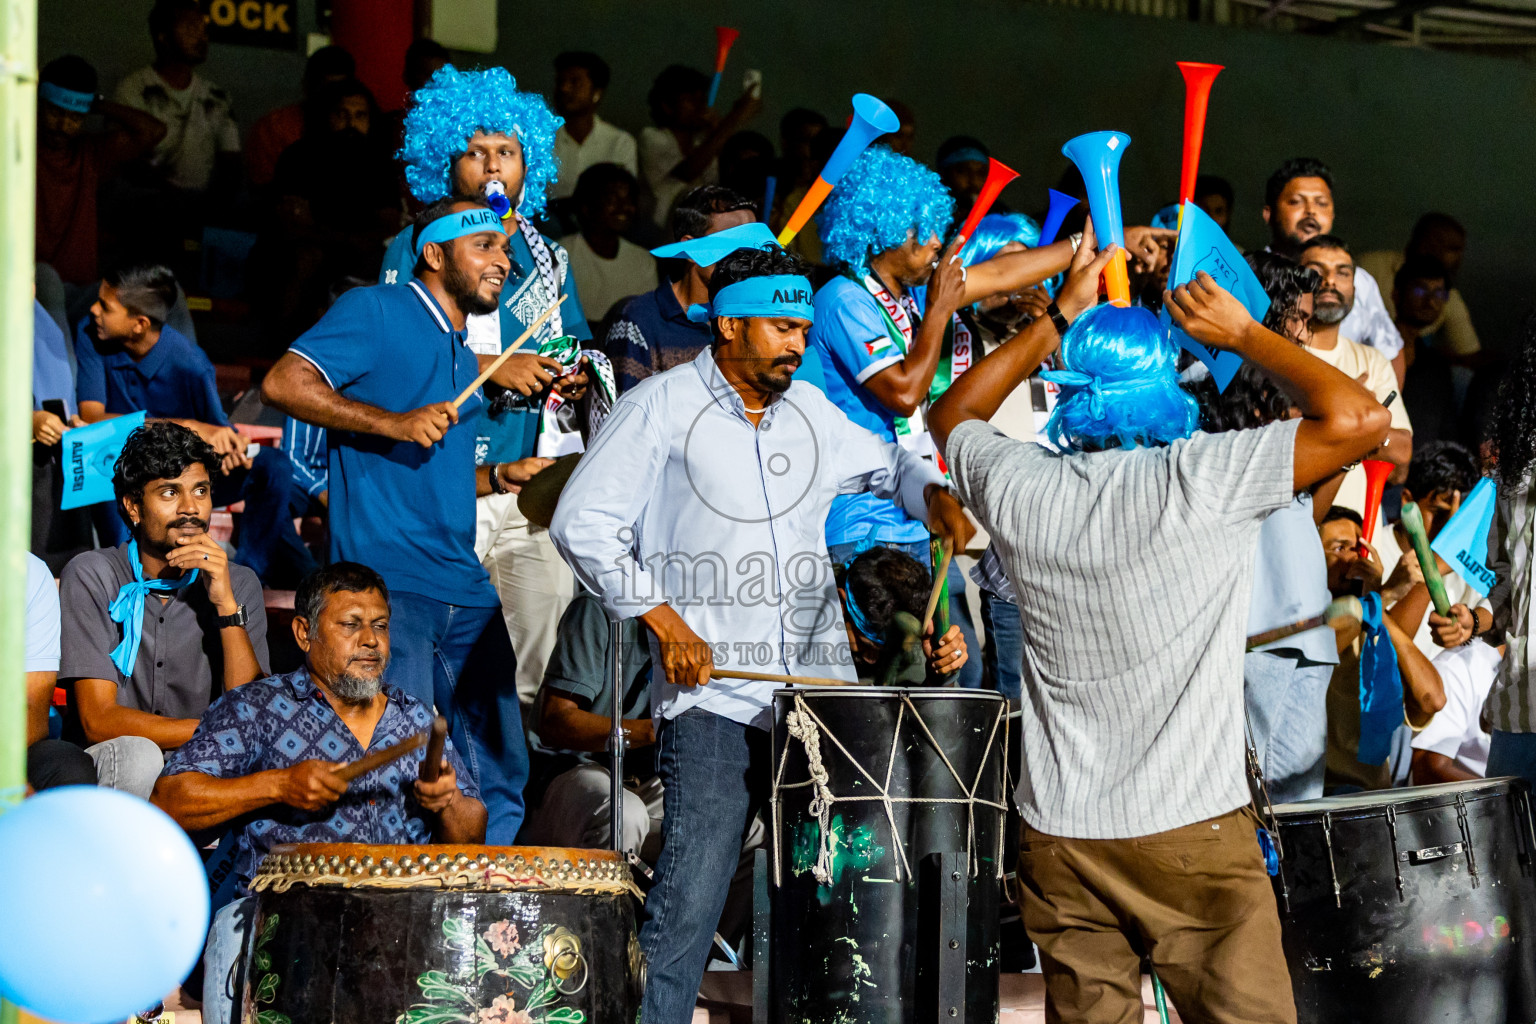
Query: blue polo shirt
[
  {"x": 174, "y": 380},
  {"x": 849, "y": 343},
  {"x": 405, "y": 510},
  {"x": 523, "y": 298}
]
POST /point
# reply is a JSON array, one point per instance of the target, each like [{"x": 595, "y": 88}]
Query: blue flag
[
  {"x": 1203, "y": 246},
  {"x": 89, "y": 455},
  {"x": 1463, "y": 541}
]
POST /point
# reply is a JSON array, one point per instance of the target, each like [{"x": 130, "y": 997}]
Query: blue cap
[{"x": 708, "y": 249}]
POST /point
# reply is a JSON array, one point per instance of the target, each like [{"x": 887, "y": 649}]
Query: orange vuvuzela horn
[{"x": 999, "y": 174}]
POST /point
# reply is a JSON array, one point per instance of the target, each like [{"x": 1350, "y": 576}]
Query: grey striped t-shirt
[{"x": 1133, "y": 569}]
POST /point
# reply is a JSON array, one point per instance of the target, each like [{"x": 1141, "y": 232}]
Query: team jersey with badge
[{"x": 850, "y": 341}]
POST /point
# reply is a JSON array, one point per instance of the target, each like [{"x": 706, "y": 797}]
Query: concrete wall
[{"x": 1405, "y": 131}]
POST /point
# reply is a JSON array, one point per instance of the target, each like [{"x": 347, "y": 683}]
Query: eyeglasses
[{"x": 1421, "y": 292}]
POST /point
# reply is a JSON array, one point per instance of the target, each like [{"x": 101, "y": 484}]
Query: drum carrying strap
[{"x": 1258, "y": 787}]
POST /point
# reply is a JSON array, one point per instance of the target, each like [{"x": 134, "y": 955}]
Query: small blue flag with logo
[
  {"x": 1203, "y": 246},
  {"x": 89, "y": 455},
  {"x": 1463, "y": 541}
]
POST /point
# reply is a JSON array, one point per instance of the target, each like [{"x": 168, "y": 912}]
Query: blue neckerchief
[
  {"x": 1381, "y": 687},
  {"x": 127, "y": 609},
  {"x": 771, "y": 295}
]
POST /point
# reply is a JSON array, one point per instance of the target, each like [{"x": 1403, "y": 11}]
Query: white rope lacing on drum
[{"x": 804, "y": 725}]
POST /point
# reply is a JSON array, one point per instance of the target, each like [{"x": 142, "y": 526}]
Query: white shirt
[
  {"x": 198, "y": 125},
  {"x": 659, "y": 153},
  {"x": 1467, "y": 674},
  {"x": 602, "y": 282},
  {"x": 680, "y": 500},
  {"x": 1368, "y": 322},
  {"x": 605, "y": 144}
]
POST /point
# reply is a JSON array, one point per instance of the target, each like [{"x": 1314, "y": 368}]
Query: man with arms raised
[
  {"x": 1132, "y": 553},
  {"x": 699, "y": 509},
  {"x": 380, "y": 372},
  {"x": 263, "y": 757}
]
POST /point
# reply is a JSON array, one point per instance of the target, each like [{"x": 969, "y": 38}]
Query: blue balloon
[{"x": 104, "y": 904}]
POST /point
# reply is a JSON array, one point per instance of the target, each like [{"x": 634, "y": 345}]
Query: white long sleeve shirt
[{"x": 680, "y": 500}]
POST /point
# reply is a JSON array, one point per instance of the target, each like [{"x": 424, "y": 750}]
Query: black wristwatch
[
  {"x": 237, "y": 619},
  {"x": 1060, "y": 322}
]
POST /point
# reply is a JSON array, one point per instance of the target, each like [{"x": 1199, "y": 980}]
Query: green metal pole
[{"x": 18, "y": 153}]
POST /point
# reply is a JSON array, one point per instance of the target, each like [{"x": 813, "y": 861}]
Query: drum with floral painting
[{"x": 360, "y": 934}]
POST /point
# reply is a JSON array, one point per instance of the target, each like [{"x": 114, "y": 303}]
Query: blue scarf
[
  {"x": 1381, "y": 687},
  {"x": 127, "y": 609}
]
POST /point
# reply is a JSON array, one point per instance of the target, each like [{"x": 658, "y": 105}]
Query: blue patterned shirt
[{"x": 281, "y": 720}]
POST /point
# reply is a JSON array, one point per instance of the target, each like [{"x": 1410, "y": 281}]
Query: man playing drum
[
  {"x": 1132, "y": 555},
  {"x": 263, "y": 756},
  {"x": 699, "y": 509}
]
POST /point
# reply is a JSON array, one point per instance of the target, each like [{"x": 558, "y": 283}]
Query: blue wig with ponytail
[
  {"x": 882, "y": 200},
  {"x": 447, "y": 111},
  {"x": 1118, "y": 384}
]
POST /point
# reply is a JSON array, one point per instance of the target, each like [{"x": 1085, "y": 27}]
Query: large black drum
[
  {"x": 355, "y": 934},
  {"x": 1411, "y": 905},
  {"x": 888, "y": 810}
]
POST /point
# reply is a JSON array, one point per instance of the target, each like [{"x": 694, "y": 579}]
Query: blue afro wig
[
  {"x": 882, "y": 200},
  {"x": 456, "y": 104},
  {"x": 1119, "y": 386},
  {"x": 996, "y": 230}
]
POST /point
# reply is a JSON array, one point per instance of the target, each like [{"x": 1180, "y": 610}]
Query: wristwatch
[
  {"x": 237, "y": 619},
  {"x": 1060, "y": 322},
  {"x": 497, "y": 486}
]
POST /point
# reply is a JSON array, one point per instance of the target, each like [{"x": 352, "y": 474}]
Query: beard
[
  {"x": 774, "y": 383},
  {"x": 465, "y": 291},
  {"x": 1329, "y": 308},
  {"x": 351, "y": 688}
]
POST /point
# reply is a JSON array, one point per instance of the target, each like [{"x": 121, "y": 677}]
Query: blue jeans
[
  {"x": 266, "y": 538},
  {"x": 1286, "y": 701},
  {"x": 224, "y": 960},
  {"x": 1512, "y": 753},
  {"x": 715, "y": 776},
  {"x": 1004, "y": 652},
  {"x": 460, "y": 660},
  {"x": 970, "y": 674}
]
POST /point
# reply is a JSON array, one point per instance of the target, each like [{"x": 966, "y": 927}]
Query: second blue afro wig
[
  {"x": 455, "y": 105},
  {"x": 882, "y": 200}
]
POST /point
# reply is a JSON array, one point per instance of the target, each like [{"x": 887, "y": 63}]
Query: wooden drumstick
[
  {"x": 1340, "y": 612},
  {"x": 485, "y": 374},
  {"x": 947, "y": 546},
  {"x": 775, "y": 677},
  {"x": 432, "y": 765},
  {"x": 367, "y": 763}
]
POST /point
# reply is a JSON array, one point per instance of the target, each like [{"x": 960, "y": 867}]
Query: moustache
[
  {"x": 1328, "y": 293},
  {"x": 1308, "y": 222},
  {"x": 188, "y": 521},
  {"x": 793, "y": 362}
]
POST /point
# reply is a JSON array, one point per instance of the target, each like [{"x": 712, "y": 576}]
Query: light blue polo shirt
[
  {"x": 849, "y": 343},
  {"x": 406, "y": 511}
]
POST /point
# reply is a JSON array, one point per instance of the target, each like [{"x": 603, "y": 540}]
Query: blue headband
[
  {"x": 709, "y": 249},
  {"x": 457, "y": 225},
  {"x": 774, "y": 295},
  {"x": 963, "y": 155},
  {"x": 68, "y": 99},
  {"x": 856, "y": 617}
]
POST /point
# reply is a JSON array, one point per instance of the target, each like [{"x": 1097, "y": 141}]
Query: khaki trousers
[{"x": 1196, "y": 899}]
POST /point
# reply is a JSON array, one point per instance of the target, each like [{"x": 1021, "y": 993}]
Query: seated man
[
  {"x": 50, "y": 762},
  {"x": 130, "y": 361},
  {"x": 156, "y": 628},
  {"x": 263, "y": 758},
  {"x": 1350, "y": 572},
  {"x": 1453, "y": 747}
]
